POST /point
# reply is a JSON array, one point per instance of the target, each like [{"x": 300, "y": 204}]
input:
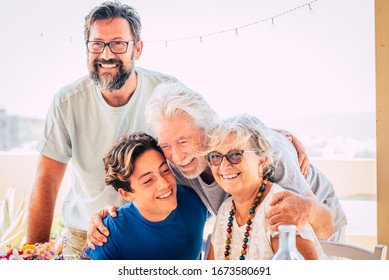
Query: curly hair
[
  {"x": 119, "y": 162},
  {"x": 245, "y": 128}
]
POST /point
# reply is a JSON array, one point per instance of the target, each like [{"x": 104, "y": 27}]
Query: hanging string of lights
[
  {"x": 234, "y": 29},
  {"x": 200, "y": 37}
]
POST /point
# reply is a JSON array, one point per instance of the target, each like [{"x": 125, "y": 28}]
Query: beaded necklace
[{"x": 250, "y": 216}]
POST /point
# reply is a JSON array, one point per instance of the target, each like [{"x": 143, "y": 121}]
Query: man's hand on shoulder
[
  {"x": 289, "y": 208},
  {"x": 97, "y": 232},
  {"x": 300, "y": 149}
]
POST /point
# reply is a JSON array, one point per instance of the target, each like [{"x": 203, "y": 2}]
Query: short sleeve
[{"x": 55, "y": 141}]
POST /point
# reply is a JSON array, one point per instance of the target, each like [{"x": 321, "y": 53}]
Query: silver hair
[
  {"x": 245, "y": 129},
  {"x": 173, "y": 99}
]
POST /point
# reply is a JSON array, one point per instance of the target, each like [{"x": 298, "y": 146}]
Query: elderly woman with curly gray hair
[{"x": 242, "y": 161}]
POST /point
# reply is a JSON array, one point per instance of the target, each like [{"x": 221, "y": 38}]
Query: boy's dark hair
[{"x": 119, "y": 162}]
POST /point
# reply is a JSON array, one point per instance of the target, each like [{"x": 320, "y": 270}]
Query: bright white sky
[{"x": 310, "y": 61}]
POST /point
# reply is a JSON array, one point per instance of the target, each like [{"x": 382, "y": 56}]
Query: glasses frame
[
  {"x": 227, "y": 156},
  {"x": 109, "y": 46}
]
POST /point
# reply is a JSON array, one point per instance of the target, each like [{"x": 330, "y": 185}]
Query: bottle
[{"x": 287, "y": 244}]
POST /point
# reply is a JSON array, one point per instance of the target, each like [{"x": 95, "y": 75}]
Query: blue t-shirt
[{"x": 178, "y": 237}]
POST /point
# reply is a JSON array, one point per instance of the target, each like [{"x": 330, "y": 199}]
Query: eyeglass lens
[
  {"x": 114, "y": 46},
  {"x": 233, "y": 157}
]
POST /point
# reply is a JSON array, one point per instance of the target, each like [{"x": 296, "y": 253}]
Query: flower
[
  {"x": 40, "y": 251},
  {"x": 15, "y": 255},
  {"x": 30, "y": 251}
]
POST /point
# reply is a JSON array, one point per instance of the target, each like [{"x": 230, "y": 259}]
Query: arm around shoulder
[
  {"x": 321, "y": 218},
  {"x": 291, "y": 208}
]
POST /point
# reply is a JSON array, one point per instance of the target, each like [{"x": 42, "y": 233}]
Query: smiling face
[
  {"x": 111, "y": 71},
  {"x": 242, "y": 178},
  {"x": 182, "y": 143},
  {"x": 154, "y": 186}
]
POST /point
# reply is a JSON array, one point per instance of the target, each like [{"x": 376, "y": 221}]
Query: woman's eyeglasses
[{"x": 233, "y": 157}]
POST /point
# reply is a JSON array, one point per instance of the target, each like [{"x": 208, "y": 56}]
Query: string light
[{"x": 235, "y": 29}]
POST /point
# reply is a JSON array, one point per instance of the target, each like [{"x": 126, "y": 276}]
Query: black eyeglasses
[
  {"x": 233, "y": 157},
  {"x": 116, "y": 47}
]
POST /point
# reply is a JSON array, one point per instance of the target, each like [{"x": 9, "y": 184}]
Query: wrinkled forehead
[{"x": 176, "y": 127}]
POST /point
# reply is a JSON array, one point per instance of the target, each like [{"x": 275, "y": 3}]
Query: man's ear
[
  {"x": 138, "y": 49},
  {"x": 128, "y": 196}
]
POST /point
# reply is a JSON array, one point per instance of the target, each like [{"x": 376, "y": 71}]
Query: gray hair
[
  {"x": 112, "y": 10},
  {"x": 245, "y": 129},
  {"x": 174, "y": 99}
]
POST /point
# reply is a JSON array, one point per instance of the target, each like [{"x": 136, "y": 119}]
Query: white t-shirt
[
  {"x": 259, "y": 245},
  {"x": 81, "y": 126}
]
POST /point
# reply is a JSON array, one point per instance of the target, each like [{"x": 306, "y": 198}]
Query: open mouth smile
[
  {"x": 166, "y": 195},
  {"x": 229, "y": 177},
  {"x": 186, "y": 163},
  {"x": 108, "y": 65}
]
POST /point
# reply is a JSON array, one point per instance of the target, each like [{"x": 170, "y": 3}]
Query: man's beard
[{"x": 107, "y": 82}]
